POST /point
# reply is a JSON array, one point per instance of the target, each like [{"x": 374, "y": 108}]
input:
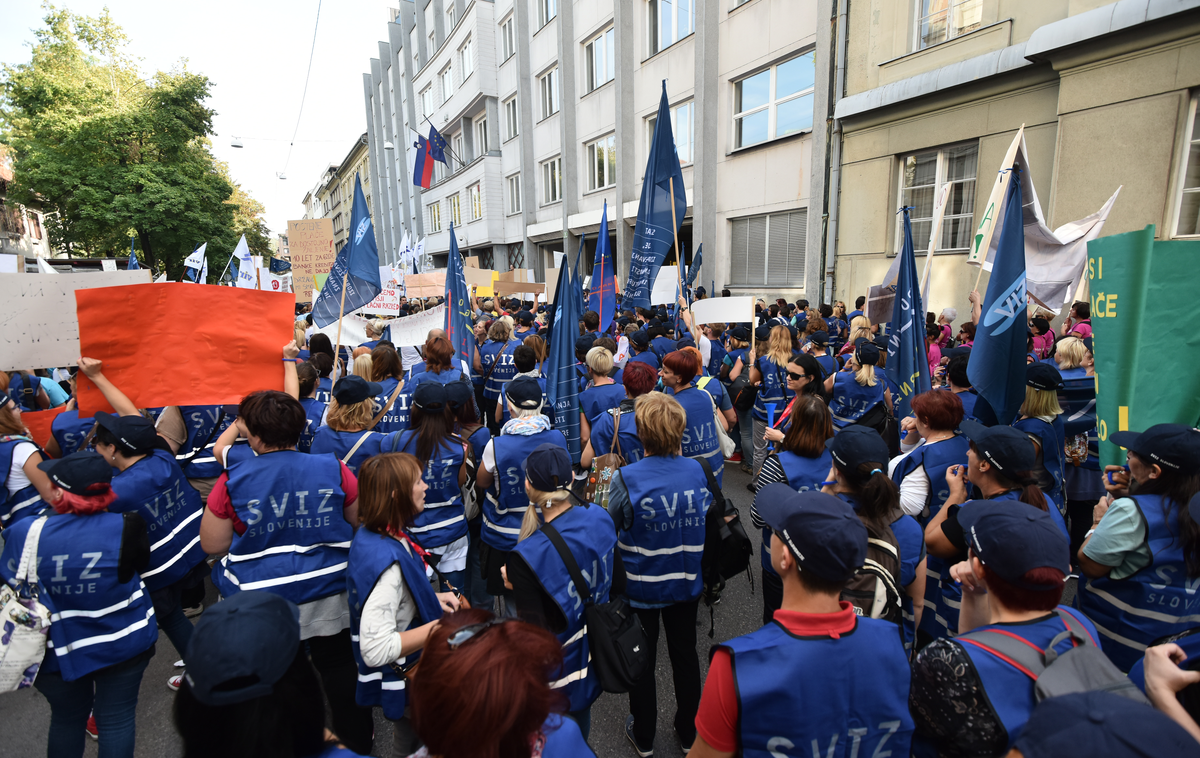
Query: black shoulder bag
[
  {"x": 727, "y": 547},
  {"x": 616, "y": 641}
]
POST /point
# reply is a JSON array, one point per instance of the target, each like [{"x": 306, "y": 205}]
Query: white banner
[
  {"x": 723, "y": 310},
  {"x": 666, "y": 287},
  {"x": 274, "y": 282},
  {"x": 413, "y": 330},
  {"x": 246, "y": 278},
  {"x": 354, "y": 331}
]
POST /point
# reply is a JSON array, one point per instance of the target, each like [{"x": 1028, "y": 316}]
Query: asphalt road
[{"x": 26, "y": 714}]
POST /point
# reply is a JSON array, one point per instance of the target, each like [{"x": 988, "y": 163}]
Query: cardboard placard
[
  {"x": 519, "y": 288},
  {"x": 414, "y": 330},
  {"x": 432, "y": 284},
  {"x": 310, "y": 243},
  {"x": 472, "y": 262},
  {"x": 551, "y": 283},
  {"x": 480, "y": 277}
]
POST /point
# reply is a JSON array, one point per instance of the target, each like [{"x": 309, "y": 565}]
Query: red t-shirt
[
  {"x": 717, "y": 718},
  {"x": 222, "y": 507}
]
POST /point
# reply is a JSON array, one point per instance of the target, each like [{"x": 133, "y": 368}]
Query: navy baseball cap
[
  {"x": 685, "y": 342},
  {"x": 5, "y": 400},
  {"x": 1098, "y": 723},
  {"x": 267, "y": 630},
  {"x": 739, "y": 333},
  {"x": 856, "y": 445},
  {"x": 354, "y": 389},
  {"x": 1008, "y": 449},
  {"x": 819, "y": 338},
  {"x": 762, "y": 333},
  {"x": 459, "y": 394},
  {"x": 640, "y": 339},
  {"x": 1014, "y": 538},
  {"x": 524, "y": 392},
  {"x": 821, "y": 531},
  {"x": 866, "y": 353},
  {"x": 548, "y": 468},
  {"x": 132, "y": 432},
  {"x": 78, "y": 471},
  {"x": 1172, "y": 446},
  {"x": 1043, "y": 376},
  {"x": 430, "y": 396},
  {"x": 525, "y": 317},
  {"x": 584, "y": 343}
]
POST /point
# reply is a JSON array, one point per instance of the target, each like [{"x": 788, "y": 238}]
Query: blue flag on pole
[
  {"x": 133, "y": 264},
  {"x": 656, "y": 225},
  {"x": 458, "y": 307},
  {"x": 602, "y": 298},
  {"x": 562, "y": 383},
  {"x": 280, "y": 266},
  {"x": 437, "y": 145},
  {"x": 997, "y": 367},
  {"x": 694, "y": 269},
  {"x": 907, "y": 363},
  {"x": 357, "y": 264}
]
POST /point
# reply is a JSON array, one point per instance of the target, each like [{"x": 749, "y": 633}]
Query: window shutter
[{"x": 797, "y": 246}]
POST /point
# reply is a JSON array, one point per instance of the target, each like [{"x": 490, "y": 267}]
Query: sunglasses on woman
[{"x": 795, "y": 377}]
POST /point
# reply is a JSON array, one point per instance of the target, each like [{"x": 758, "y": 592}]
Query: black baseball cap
[
  {"x": 1014, "y": 538},
  {"x": 819, "y": 338},
  {"x": 1098, "y": 723},
  {"x": 266, "y": 629},
  {"x": 459, "y": 394},
  {"x": 739, "y": 333},
  {"x": 525, "y": 317},
  {"x": 1043, "y": 376},
  {"x": 430, "y": 396},
  {"x": 1172, "y": 446},
  {"x": 762, "y": 333},
  {"x": 1008, "y": 449},
  {"x": 856, "y": 445},
  {"x": 354, "y": 389},
  {"x": 524, "y": 392},
  {"x": 78, "y": 471},
  {"x": 584, "y": 343},
  {"x": 640, "y": 339},
  {"x": 866, "y": 353},
  {"x": 548, "y": 468},
  {"x": 685, "y": 342},
  {"x": 821, "y": 531},
  {"x": 133, "y": 433},
  {"x": 5, "y": 400}
]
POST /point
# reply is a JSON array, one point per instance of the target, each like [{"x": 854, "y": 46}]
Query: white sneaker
[{"x": 175, "y": 682}]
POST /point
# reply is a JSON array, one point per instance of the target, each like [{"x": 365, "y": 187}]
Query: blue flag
[
  {"x": 133, "y": 264},
  {"x": 603, "y": 295},
  {"x": 997, "y": 366},
  {"x": 437, "y": 145},
  {"x": 657, "y": 224},
  {"x": 562, "y": 382},
  {"x": 907, "y": 363},
  {"x": 280, "y": 266},
  {"x": 357, "y": 264},
  {"x": 694, "y": 269},
  {"x": 458, "y": 307}
]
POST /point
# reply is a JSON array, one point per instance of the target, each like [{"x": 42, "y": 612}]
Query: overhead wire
[{"x": 304, "y": 94}]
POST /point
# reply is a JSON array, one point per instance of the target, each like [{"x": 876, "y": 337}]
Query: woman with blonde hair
[
  {"x": 860, "y": 329},
  {"x": 540, "y": 350},
  {"x": 362, "y": 362},
  {"x": 768, "y": 369},
  {"x": 347, "y": 432},
  {"x": 1071, "y": 355},
  {"x": 494, "y": 362},
  {"x": 854, "y": 395}
]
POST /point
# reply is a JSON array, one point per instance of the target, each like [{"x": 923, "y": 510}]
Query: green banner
[{"x": 1147, "y": 347}]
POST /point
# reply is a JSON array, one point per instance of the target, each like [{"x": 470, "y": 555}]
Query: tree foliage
[{"x": 116, "y": 153}]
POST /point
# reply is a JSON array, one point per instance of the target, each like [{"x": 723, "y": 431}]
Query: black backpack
[
  {"x": 875, "y": 589},
  {"x": 727, "y": 547}
]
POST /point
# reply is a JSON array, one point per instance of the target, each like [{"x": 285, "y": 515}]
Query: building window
[
  {"x": 441, "y": 170},
  {"x": 1188, "y": 214},
  {"x": 510, "y": 119},
  {"x": 412, "y": 44},
  {"x": 768, "y": 250},
  {"x": 922, "y": 176},
  {"x": 514, "y": 194},
  {"x": 435, "y": 217},
  {"x": 481, "y": 136},
  {"x": 466, "y": 60},
  {"x": 602, "y": 163},
  {"x": 457, "y": 141},
  {"x": 942, "y": 20},
  {"x": 683, "y": 127},
  {"x": 774, "y": 103},
  {"x": 35, "y": 226},
  {"x": 550, "y": 93},
  {"x": 601, "y": 59},
  {"x": 670, "y": 21},
  {"x": 738, "y": 4},
  {"x": 547, "y": 9},
  {"x": 508, "y": 38},
  {"x": 432, "y": 43},
  {"x": 427, "y": 101},
  {"x": 475, "y": 195},
  {"x": 455, "y": 210},
  {"x": 552, "y": 181},
  {"x": 447, "y": 78},
  {"x": 450, "y": 20}
]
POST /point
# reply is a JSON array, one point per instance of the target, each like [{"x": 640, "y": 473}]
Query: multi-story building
[
  {"x": 22, "y": 228},
  {"x": 548, "y": 107},
  {"x": 333, "y": 196},
  {"x": 932, "y": 93}
]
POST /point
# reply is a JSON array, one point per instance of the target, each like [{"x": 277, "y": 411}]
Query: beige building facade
[{"x": 333, "y": 195}]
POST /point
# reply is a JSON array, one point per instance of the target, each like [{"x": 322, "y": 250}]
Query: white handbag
[
  {"x": 727, "y": 443},
  {"x": 24, "y": 622}
]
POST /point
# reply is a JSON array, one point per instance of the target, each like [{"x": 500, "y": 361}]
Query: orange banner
[
  {"x": 38, "y": 423},
  {"x": 183, "y": 344}
]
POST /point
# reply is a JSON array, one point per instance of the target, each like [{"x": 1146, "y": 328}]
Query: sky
[{"x": 255, "y": 53}]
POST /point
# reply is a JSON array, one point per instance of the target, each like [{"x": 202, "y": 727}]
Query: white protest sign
[
  {"x": 723, "y": 310},
  {"x": 666, "y": 287},
  {"x": 8, "y": 264},
  {"x": 273, "y": 282},
  {"x": 413, "y": 330},
  {"x": 38, "y": 313},
  {"x": 354, "y": 331},
  {"x": 108, "y": 264}
]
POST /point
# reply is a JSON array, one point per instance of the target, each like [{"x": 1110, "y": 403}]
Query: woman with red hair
[{"x": 700, "y": 435}]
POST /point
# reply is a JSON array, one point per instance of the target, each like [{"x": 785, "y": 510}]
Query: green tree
[{"x": 112, "y": 151}]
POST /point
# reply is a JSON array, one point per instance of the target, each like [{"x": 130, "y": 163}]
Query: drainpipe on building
[{"x": 834, "y": 151}]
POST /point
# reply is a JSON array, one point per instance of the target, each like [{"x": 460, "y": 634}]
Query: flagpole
[
  {"x": 675, "y": 241},
  {"x": 222, "y": 276},
  {"x": 337, "y": 348},
  {"x": 446, "y": 145}
]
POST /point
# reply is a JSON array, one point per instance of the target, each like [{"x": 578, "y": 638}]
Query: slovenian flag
[{"x": 422, "y": 163}]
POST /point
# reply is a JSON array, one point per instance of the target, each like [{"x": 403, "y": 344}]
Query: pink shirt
[{"x": 1082, "y": 330}]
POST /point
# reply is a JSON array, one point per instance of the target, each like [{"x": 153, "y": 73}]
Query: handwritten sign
[
  {"x": 413, "y": 330},
  {"x": 387, "y": 302},
  {"x": 311, "y": 245}
]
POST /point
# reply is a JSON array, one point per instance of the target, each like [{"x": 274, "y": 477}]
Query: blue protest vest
[
  {"x": 1007, "y": 688},
  {"x": 590, "y": 536},
  {"x": 716, "y": 357},
  {"x": 700, "y": 434},
  {"x": 1078, "y": 401},
  {"x": 24, "y": 390},
  {"x": 156, "y": 489},
  {"x": 491, "y": 352},
  {"x": 442, "y": 521},
  {"x": 328, "y": 440},
  {"x": 828, "y": 364},
  {"x": 803, "y": 474},
  {"x": 628, "y": 439},
  {"x": 1053, "y": 440},
  {"x": 1191, "y": 648},
  {"x": 396, "y": 419},
  {"x": 583, "y": 376},
  {"x": 416, "y": 368},
  {"x": 661, "y": 347},
  {"x": 314, "y": 411},
  {"x": 661, "y": 552},
  {"x": 505, "y": 504},
  {"x": 596, "y": 400},
  {"x": 95, "y": 621},
  {"x": 370, "y": 345},
  {"x": 860, "y": 709},
  {"x": 370, "y": 555},
  {"x": 648, "y": 357},
  {"x": 478, "y": 439},
  {"x": 325, "y": 389},
  {"x": 70, "y": 431},
  {"x": 26, "y": 501},
  {"x": 1157, "y": 601},
  {"x": 733, "y": 356},
  {"x": 969, "y": 399},
  {"x": 773, "y": 389},
  {"x": 296, "y": 539},
  {"x": 505, "y": 416},
  {"x": 204, "y": 424},
  {"x": 563, "y": 739},
  {"x": 851, "y": 400}
]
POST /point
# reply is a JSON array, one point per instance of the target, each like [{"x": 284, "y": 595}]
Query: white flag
[
  {"x": 199, "y": 262},
  {"x": 45, "y": 267},
  {"x": 419, "y": 251},
  {"x": 246, "y": 278}
]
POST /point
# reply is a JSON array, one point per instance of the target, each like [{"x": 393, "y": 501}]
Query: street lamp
[
  {"x": 388, "y": 146},
  {"x": 236, "y": 142}
]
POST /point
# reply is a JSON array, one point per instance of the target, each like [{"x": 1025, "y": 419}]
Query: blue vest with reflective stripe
[
  {"x": 370, "y": 555},
  {"x": 313, "y": 411},
  {"x": 505, "y": 504},
  {"x": 563, "y": 739},
  {"x": 969, "y": 399},
  {"x": 204, "y": 425},
  {"x": 95, "y": 621},
  {"x": 661, "y": 552},
  {"x": 772, "y": 390},
  {"x": 396, "y": 419},
  {"x": 296, "y": 539},
  {"x": 1157, "y": 601},
  {"x": 1053, "y": 440},
  {"x": 628, "y": 441},
  {"x": 937, "y": 458},
  {"x": 325, "y": 389},
  {"x": 69, "y": 431},
  {"x": 591, "y": 538},
  {"x": 24, "y": 390},
  {"x": 716, "y": 357},
  {"x": 329, "y": 440},
  {"x": 1078, "y": 401},
  {"x": 442, "y": 521},
  {"x": 661, "y": 347},
  {"x": 828, "y": 364},
  {"x": 505, "y": 416},
  {"x": 851, "y": 400},
  {"x": 803, "y": 474},
  {"x": 26, "y": 501},
  {"x": 156, "y": 489},
  {"x": 596, "y": 400},
  {"x": 502, "y": 374},
  {"x": 860, "y": 709},
  {"x": 700, "y": 434}
]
